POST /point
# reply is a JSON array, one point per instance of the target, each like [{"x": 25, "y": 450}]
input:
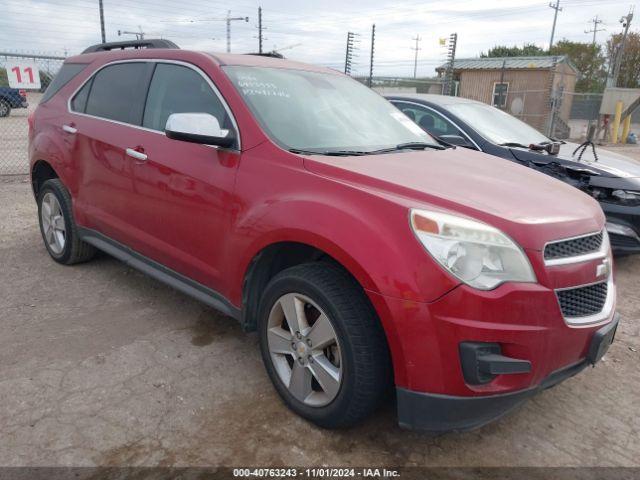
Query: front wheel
[{"x": 323, "y": 345}]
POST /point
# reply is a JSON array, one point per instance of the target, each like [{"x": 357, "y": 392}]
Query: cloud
[{"x": 319, "y": 27}]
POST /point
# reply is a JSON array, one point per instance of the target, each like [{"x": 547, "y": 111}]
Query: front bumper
[
  {"x": 439, "y": 413},
  {"x": 623, "y": 226}
]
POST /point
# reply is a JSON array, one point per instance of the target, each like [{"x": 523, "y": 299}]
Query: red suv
[{"x": 301, "y": 203}]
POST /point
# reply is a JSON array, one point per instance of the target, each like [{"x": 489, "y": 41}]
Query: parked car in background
[
  {"x": 301, "y": 203},
  {"x": 12, "y": 98},
  {"x": 612, "y": 179}
]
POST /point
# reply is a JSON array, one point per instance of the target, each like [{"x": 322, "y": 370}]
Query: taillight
[{"x": 23, "y": 93}]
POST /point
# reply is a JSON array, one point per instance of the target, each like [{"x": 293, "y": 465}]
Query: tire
[
  {"x": 5, "y": 108},
  {"x": 60, "y": 235},
  {"x": 360, "y": 353}
]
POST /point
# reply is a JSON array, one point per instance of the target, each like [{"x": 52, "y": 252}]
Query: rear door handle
[
  {"x": 136, "y": 154},
  {"x": 69, "y": 129}
]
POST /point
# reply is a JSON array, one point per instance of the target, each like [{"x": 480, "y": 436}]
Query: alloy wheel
[
  {"x": 53, "y": 225},
  {"x": 304, "y": 349}
]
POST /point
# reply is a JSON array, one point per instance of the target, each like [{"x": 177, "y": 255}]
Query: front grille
[
  {"x": 574, "y": 247},
  {"x": 583, "y": 301}
]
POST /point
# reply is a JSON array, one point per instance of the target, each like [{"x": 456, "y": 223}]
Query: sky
[{"x": 311, "y": 31}]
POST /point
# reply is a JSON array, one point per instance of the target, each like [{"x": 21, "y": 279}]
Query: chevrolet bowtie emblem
[{"x": 604, "y": 269}]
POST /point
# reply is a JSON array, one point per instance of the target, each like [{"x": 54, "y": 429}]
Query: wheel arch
[
  {"x": 275, "y": 257},
  {"x": 40, "y": 173}
]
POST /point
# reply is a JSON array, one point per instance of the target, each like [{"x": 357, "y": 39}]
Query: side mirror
[
  {"x": 201, "y": 128},
  {"x": 456, "y": 140}
]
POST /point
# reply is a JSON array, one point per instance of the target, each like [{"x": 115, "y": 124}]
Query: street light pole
[{"x": 230, "y": 19}]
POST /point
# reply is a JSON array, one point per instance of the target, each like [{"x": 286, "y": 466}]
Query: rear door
[
  {"x": 183, "y": 191},
  {"x": 106, "y": 118}
]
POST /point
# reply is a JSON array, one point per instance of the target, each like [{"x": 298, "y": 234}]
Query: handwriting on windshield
[{"x": 267, "y": 89}]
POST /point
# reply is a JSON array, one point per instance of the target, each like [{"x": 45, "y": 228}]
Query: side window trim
[
  {"x": 212, "y": 85},
  {"x": 443, "y": 116}
]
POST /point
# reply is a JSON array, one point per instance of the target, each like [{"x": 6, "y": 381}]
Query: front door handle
[
  {"x": 136, "y": 154},
  {"x": 69, "y": 129}
]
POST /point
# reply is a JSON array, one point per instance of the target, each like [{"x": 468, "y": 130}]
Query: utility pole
[
  {"x": 259, "y": 29},
  {"x": 451, "y": 58},
  {"x": 557, "y": 8},
  {"x": 230, "y": 19},
  {"x": 415, "y": 59},
  {"x": 104, "y": 38},
  {"x": 373, "y": 43},
  {"x": 626, "y": 23},
  {"x": 349, "y": 54},
  {"x": 596, "y": 21}
]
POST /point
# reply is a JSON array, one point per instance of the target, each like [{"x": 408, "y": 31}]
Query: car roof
[
  {"x": 432, "y": 98},
  {"x": 220, "y": 59}
]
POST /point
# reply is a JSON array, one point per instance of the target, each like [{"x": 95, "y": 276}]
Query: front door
[{"x": 184, "y": 191}]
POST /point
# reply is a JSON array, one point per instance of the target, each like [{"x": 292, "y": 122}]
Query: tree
[
  {"x": 630, "y": 68},
  {"x": 588, "y": 59},
  {"x": 527, "y": 50}
]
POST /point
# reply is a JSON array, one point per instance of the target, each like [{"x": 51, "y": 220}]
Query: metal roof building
[
  {"x": 538, "y": 90},
  {"x": 509, "y": 63}
]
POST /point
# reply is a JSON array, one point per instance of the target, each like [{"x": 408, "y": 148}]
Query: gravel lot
[{"x": 100, "y": 365}]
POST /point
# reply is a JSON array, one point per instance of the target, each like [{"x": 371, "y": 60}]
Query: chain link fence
[{"x": 14, "y": 127}]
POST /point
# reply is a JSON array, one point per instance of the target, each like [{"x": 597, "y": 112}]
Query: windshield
[
  {"x": 322, "y": 112},
  {"x": 495, "y": 125}
]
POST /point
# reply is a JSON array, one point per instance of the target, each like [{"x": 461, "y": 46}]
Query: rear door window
[
  {"x": 118, "y": 92},
  {"x": 180, "y": 89}
]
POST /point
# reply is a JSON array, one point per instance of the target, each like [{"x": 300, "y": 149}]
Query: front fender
[{"x": 364, "y": 230}]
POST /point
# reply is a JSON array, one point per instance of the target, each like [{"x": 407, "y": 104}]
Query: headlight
[{"x": 476, "y": 253}]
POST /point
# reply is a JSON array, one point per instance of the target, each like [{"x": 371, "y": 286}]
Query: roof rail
[
  {"x": 267, "y": 54},
  {"x": 137, "y": 44}
]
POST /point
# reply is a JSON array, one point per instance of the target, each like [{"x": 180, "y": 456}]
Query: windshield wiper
[
  {"x": 514, "y": 144},
  {"x": 409, "y": 146},
  {"x": 351, "y": 153},
  {"x": 335, "y": 153}
]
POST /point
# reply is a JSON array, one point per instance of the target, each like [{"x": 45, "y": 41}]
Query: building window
[{"x": 500, "y": 91}]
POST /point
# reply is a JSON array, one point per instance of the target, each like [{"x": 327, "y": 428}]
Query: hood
[
  {"x": 609, "y": 164},
  {"x": 612, "y": 163},
  {"x": 531, "y": 207}
]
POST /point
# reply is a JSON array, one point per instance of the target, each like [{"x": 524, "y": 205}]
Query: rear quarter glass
[{"x": 67, "y": 73}]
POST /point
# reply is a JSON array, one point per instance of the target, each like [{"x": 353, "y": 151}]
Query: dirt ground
[{"x": 100, "y": 365}]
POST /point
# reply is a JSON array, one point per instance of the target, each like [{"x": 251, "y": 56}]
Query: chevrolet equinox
[{"x": 303, "y": 204}]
